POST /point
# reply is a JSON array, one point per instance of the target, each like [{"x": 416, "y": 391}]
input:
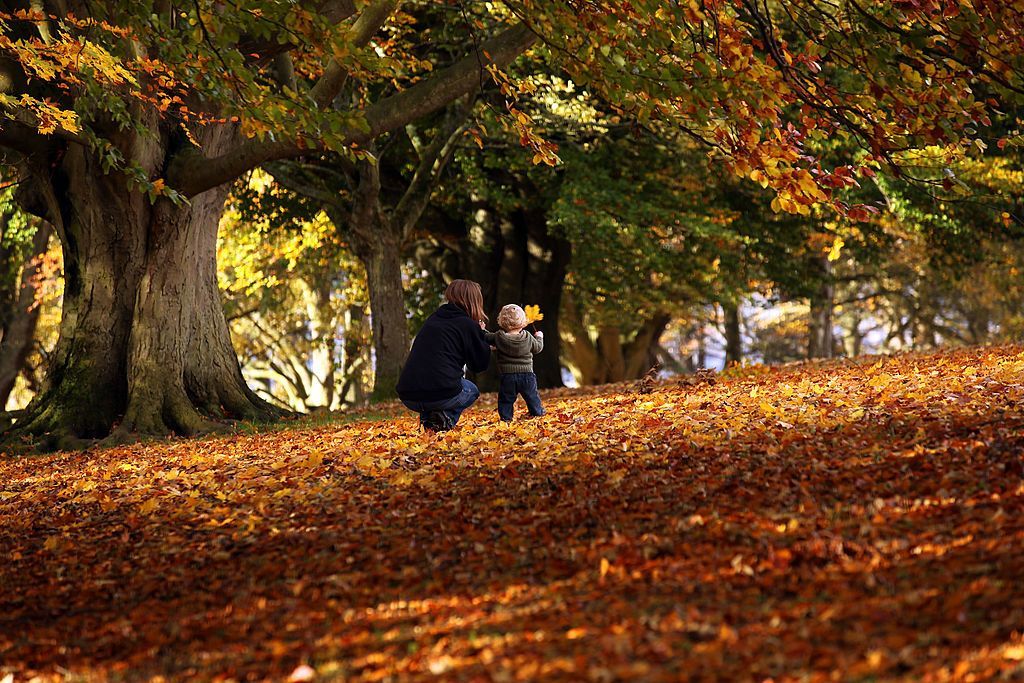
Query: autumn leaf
[{"x": 533, "y": 314}]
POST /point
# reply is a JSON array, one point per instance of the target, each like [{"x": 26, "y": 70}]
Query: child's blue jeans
[{"x": 518, "y": 384}]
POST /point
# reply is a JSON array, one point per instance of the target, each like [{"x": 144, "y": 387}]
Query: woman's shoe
[{"x": 436, "y": 421}]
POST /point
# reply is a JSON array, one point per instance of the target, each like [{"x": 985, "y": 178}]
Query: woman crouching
[{"x": 432, "y": 382}]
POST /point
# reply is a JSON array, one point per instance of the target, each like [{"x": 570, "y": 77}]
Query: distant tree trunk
[
  {"x": 19, "y": 316},
  {"x": 378, "y": 241},
  {"x": 608, "y": 357},
  {"x": 644, "y": 350},
  {"x": 667, "y": 359},
  {"x": 853, "y": 339},
  {"x": 353, "y": 389},
  {"x": 733, "y": 337},
  {"x": 322, "y": 362},
  {"x": 581, "y": 348},
  {"x": 820, "y": 341},
  {"x": 610, "y": 351},
  {"x": 702, "y": 347},
  {"x": 978, "y": 324}
]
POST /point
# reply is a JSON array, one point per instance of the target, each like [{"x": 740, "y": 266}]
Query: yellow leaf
[
  {"x": 313, "y": 460},
  {"x": 1014, "y": 653},
  {"x": 881, "y": 380},
  {"x": 837, "y": 246},
  {"x": 149, "y": 506}
]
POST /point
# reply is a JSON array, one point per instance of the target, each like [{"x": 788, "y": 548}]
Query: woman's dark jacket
[{"x": 448, "y": 340}]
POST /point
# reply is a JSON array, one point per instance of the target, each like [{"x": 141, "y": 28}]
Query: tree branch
[
  {"x": 368, "y": 23},
  {"x": 283, "y": 175},
  {"x": 19, "y": 132},
  {"x": 192, "y": 173},
  {"x": 433, "y": 160}
]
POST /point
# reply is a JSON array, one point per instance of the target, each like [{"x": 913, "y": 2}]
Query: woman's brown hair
[{"x": 467, "y": 295}]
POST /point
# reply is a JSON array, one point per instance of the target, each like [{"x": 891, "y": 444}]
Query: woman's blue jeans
[{"x": 452, "y": 407}]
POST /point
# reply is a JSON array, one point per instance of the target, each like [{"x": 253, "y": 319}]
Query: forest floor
[{"x": 859, "y": 520}]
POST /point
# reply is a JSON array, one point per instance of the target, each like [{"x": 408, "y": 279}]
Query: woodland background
[
  {"x": 217, "y": 214},
  {"x": 634, "y": 236}
]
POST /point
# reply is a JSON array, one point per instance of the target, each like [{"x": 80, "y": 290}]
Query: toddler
[{"x": 516, "y": 348}]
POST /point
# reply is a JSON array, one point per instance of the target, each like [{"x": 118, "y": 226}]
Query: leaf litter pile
[{"x": 859, "y": 519}]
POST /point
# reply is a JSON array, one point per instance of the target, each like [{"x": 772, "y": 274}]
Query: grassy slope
[{"x": 852, "y": 518}]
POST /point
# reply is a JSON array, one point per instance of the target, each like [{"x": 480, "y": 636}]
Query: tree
[
  {"x": 295, "y": 298},
  {"x": 375, "y": 203},
  {"x": 127, "y": 150}
]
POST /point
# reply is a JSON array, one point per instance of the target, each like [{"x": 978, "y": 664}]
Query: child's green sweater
[{"x": 515, "y": 351}]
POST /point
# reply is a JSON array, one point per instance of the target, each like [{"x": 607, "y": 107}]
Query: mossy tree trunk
[{"x": 144, "y": 347}]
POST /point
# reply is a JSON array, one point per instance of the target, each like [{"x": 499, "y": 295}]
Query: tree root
[{"x": 158, "y": 409}]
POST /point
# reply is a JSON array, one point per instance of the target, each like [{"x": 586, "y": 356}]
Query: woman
[{"x": 432, "y": 382}]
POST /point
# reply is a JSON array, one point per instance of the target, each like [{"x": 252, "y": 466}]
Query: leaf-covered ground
[{"x": 854, "y": 520}]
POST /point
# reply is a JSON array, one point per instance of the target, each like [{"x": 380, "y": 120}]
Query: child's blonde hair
[{"x": 511, "y": 317}]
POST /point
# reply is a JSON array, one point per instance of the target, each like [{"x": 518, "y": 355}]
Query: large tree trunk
[
  {"x": 579, "y": 346},
  {"x": 20, "y": 319},
  {"x": 609, "y": 357},
  {"x": 144, "y": 345},
  {"x": 383, "y": 263},
  {"x": 611, "y": 352}
]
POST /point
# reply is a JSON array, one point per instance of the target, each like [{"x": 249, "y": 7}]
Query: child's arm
[
  {"x": 537, "y": 343},
  {"x": 489, "y": 336}
]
